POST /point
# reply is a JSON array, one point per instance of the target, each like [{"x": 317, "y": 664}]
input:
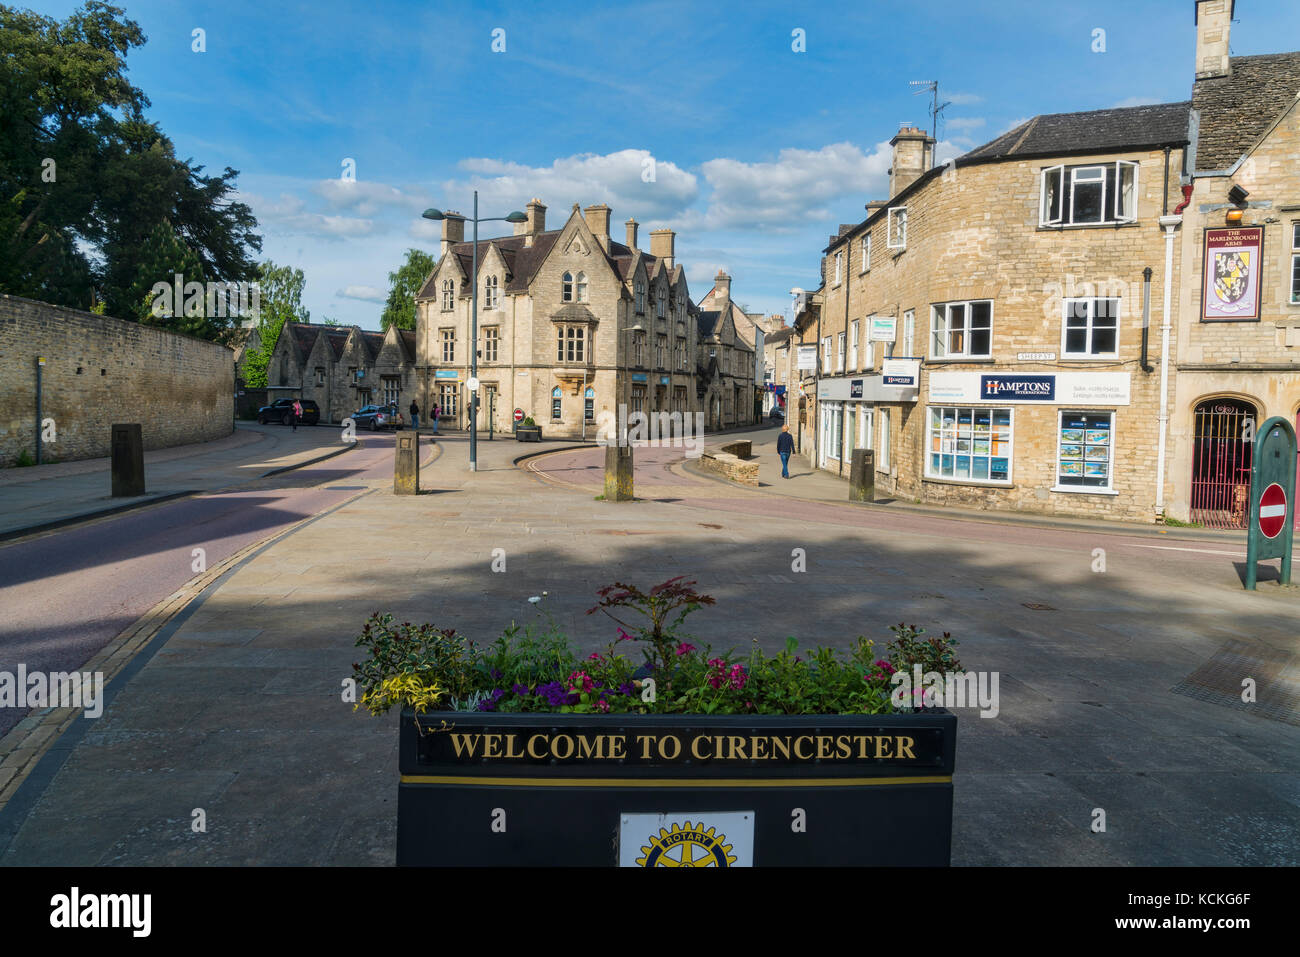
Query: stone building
[
  {"x": 571, "y": 324},
  {"x": 343, "y": 368},
  {"x": 1022, "y": 328},
  {"x": 733, "y": 345},
  {"x": 778, "y": 369}
]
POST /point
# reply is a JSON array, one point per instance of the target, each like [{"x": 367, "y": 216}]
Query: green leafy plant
[
  {"x": 528, "y": 423},
  {"x": 933, "y": 654},
  {"x": 439, "y": 658},
  {"x": 24, "y": 459},
  {"x": 656, "y": 605}
]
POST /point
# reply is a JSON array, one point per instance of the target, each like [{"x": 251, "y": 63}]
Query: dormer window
[
  {"x": 581, "y": 287},
  {"x": 897, "y": 227},
  {"x": 1089, "y": 195},
  {"x": 640, "y": 298},
  {"x": 491, "y": 293},
  {"x": 566, "y": 288},
  {"x": 448, "y": 295},
  {"x": 661, "y": 304}
]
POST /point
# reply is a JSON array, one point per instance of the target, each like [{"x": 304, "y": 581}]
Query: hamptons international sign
[
  {"x": 900, "y": 373},
  {"x": 1061, "y": 388}
]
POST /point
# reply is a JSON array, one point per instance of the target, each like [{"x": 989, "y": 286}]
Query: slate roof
[
  {"x": 707, "y": 321},
  {"x": 407, "y": 339},
  {"x": 778, "y": 337},
  {"x": 1093, "y": 131},
  {"x": 304, "y": 335},
  {"x": 337, "y": 339},
  {"x": 1237, "y": 109}
]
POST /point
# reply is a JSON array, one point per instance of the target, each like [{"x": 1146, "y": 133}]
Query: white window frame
[
  {"x": 1092, "y": 301},
  {"x": 839, "y": 352},
  {"x": 1294, "y": 298},
  {"x": 1067, "y": 177},
  {"x": 580, "y": 287},
  {"x": 896, "y": 227},
  {"x": 839, "y": 262},
  {"x": 448, "y": 339},
  {"x": 866, "y": 427},
  {"x": 854, "y": 339},
  {"x": 909, "y": 334},
  {"x": 967, "y": 329},
  {"x": 448, "y": 295},
  {"x": 491, "y": 293},
  {"x": 1108, "y": 488},
  {"x": 826, "y": 354},
  {"x": 865, "y": 249},
  {"x": 928, "y": 432}
]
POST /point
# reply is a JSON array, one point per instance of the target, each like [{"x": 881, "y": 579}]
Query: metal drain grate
[{"x": 1276, "y": 674}]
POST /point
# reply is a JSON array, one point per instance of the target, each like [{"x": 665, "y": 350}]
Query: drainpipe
[
  {"x": 1146, "y": 318},
  {"x": 1170, "y": 223}
]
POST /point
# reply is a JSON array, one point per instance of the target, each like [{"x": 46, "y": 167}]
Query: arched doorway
[{"x": 1222, "y": 451}]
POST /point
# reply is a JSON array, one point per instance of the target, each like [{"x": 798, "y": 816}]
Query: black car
[
  {"x": 376, "y": 417},
  {"x": 281, "y": 410}
]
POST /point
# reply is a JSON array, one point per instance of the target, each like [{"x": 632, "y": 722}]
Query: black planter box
[
  {"x": 524, "y": 434},
  {"x": 484, "y": 789}
]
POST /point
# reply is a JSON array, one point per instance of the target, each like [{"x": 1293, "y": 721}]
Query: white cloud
[
  {"x": 961, "y": 99},
  {"x": 965, "y": 123},
  {"x": 799, "y": 187},
  {"x": 288, "y": 215},
  {"x": 364, "y": 293},
  {"x": 365, "y": 198}
]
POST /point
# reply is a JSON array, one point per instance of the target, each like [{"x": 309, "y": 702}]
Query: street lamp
[{"x": 515, "y": 217}]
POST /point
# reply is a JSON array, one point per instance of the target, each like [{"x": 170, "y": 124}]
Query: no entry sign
[
  {"x": 1272, "y": 511},
  {"x": 519, "y": 415}
]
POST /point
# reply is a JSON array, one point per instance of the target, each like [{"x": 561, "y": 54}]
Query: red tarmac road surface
[{"x": 66, "y": 595}]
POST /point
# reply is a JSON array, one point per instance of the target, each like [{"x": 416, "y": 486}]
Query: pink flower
[
  {"x": 684, "y": 649},
  {"x": 624, "y": 636},
  {"x": 594, "y": 656},
  {"x": 738, "y": 677},
  {"x": 603, "y": 705},
  {"x": 579, "y": 681}
]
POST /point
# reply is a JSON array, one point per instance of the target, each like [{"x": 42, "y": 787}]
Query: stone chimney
[
  {"x": 631, "y": 233},
  {"x": 913, "y": 155},
  {"x": 875, "y": 205},
  {"x": 453, "y": 230},
  {"x": 662, "y": 243},
  {"x": 1213, "y": 22},
  {"x": 722, "y": 289},
  {"x": 598, "y": 222},
  {"x": 536, "y": 220}
]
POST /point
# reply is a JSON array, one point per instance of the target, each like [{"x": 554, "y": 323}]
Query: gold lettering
[
  {"x": 491, "y": 742},
  {"x": 758, "y": 748},
  {"x": 510, "y": 747},
  {"x": 663, "y": 750},
  {"x": 531, "y": 752},
  {"x": 824, "y": 746},
  {"x": 782, "y": 745},
  {"x": 588, "y": 748},
  {"x": 695, "y": 747},
  {"x": 645, "y": 741},
  {"x": 568, "y": 747},
  {"x": 862, "y": 740},
  {"x": 616, "y": 745},
  {"x": 882, "y": 746},
  {"x": 798, "y": 741},
  {"x": 905, "y": 747},
  {"x": 843, "y": 747},
  {"x": 464, "y": 743},
  {"x": 737, "y": 747}
]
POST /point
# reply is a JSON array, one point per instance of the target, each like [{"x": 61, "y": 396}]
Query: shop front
[{"x": 848, "y": 414}]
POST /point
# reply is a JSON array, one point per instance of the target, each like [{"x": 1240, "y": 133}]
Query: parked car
[
  {"x": 281, "y": 410},
  {"x": 376, "y": 417},
  {"x": 776, "y": 415}
]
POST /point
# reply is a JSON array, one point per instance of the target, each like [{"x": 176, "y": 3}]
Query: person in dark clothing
[
  {"x": 784, "y": 446},
  {"x": 415, "y": 415}
]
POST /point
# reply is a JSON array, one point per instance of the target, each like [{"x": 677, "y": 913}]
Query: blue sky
[{"x": 759, "y": 151}]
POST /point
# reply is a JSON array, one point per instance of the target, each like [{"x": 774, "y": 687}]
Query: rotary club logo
[{"x": 687, "y": 846}]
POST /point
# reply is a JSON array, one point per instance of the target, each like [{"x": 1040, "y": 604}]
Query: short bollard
[
  {"x": 406, "y": 467},
  {"x": 128, "y": 461},
  {"x": 618, "y": 473},
  {"x": 862, "y": 476}
]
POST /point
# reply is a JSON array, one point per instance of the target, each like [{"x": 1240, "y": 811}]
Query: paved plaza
[{"x": 236, "y": 709}]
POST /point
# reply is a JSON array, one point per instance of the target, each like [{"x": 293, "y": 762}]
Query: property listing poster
[{"x": 1233, "y": 258}]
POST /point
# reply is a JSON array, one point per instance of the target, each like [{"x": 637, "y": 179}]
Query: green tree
[
  {"x": 162, "y": 257},
  {"x": 280, "y": 302},
  {"x": 85, "y": 179},
  {"x": 403, "y": 284}
]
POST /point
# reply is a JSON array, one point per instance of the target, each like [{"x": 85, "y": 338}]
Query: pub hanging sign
[{"x": 1230, "y": 277}]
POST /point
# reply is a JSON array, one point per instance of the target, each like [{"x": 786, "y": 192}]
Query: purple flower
[
  {"x": 626, "y": 688},
  {"x": 490, "y": 702},
  {"x": 519, "y": 689},
  {"x": 684, "y": 649}
]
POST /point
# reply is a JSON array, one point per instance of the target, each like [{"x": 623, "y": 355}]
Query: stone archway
[{"x": 1222, "y": 453}]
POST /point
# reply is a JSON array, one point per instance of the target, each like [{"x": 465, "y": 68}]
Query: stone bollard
[
  {"x": 406, "y": 465},
  {"x": 862, "y": 476},
  {"x": 618, "y": 473},
  {"x": 128, "y": 461}
]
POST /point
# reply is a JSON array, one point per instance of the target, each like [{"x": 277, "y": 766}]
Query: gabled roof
[
  {"x": 337, "y": 340},
  {"x": 707, "y": 322},
  {"x": 1093, "y": 131},
  {"x": 1239, "y": 108},
  {"x": 406, "y": 338},
  {"x": 303, "y": 335},
  {"x": 778, "y": 337}
]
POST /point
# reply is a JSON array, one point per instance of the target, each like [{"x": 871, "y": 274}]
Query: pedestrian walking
[
  {"x": 434, "y": 413},
  {"x": 784, "y": 446},
  {"x": 297, "y": 413},
  {"x": 415, "y": 415}
]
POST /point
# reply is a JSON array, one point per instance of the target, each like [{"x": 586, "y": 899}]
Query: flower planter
[
  {"x": 523, "y": 434},
  {"x": 673, "y": 790}
]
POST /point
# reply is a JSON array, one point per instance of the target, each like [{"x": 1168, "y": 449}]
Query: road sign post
[{"x": 1271, "y": 532}]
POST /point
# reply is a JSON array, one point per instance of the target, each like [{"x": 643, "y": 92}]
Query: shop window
[
  {"x": 1085, "y": 450},
  {"x": 589, "y": 404},
  {"x": 555, "y": 402},
  {"x": 968, "y": 444}
]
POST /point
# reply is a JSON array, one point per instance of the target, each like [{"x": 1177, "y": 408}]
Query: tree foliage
[
  {"x": 281, "y": 301},
  {"x": 403, "y": 284},
  {"x": 93, "y": 199}
]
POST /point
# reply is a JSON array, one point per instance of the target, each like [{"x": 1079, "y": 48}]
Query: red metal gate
[{"x": 1221, "y": 460}]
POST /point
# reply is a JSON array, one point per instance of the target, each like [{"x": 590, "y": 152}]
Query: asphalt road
[{"x": 67, "y": 594}]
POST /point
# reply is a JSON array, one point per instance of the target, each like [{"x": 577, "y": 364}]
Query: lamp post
[{"x": 514, "y": 217}]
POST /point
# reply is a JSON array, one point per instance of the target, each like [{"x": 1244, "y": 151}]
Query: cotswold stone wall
[{"x": 98, "y": 371}]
